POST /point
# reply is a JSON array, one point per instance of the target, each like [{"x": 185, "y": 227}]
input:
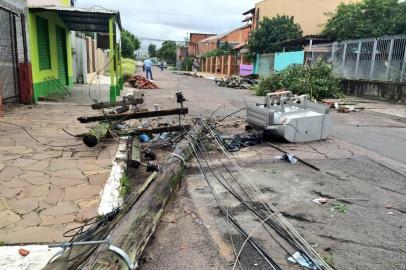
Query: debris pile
[
  {"x": 140, "y": 82},
  {"x": 235, "y": 82}
]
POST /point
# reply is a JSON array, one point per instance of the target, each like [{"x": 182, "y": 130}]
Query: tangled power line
[{"x": 247, "y": 193}]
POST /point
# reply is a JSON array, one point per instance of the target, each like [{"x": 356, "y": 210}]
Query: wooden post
[
  {"x": 229, "y": 62},
  {"x": 222, "y": 65},
  {"x": 93, "y": 137},
  {"x": 211, "y": 65}
]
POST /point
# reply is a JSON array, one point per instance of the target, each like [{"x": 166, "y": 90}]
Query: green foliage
[
  {"x": 129, "y": 44},
  {"x": 167, "y": 52},
  {"x": 152, "y": 50},
  {"x": 317, "y": 81},
  {"x": 124, "y": 185},
  {"x": 224, "y": 49},
  {"x": 271, "y": 32},
  {"x": 369, "y": 18},
  {"x": 187, "y": 64},
  {"x": 339, "y": 207},
  {"x": 128, "y": 67},
  {"x": 2, "y": 243}
]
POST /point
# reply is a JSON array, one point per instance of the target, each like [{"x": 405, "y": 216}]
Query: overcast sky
[{"x": 174, "y": 19}]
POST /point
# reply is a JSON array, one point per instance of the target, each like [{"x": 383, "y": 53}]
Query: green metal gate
[{"x": 62, "y": 55}]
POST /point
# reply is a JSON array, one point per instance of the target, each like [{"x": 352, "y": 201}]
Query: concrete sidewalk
[{"x": 46, "y": 190}]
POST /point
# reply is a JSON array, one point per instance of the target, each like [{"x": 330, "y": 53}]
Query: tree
[
  {"x": 367, "y": 19},
  {"x": 271, "y": 32},
  {"x": 168, "y": 51},
  {"x": 152, "y": 50},
  {"x": 129, "y": 44}
]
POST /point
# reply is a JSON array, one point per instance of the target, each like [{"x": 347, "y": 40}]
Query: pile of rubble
[
  {"x": 140, "y": 82},
  {"x": 235, "y": 82}
]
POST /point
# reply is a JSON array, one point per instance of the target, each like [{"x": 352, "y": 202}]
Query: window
[{"x": 44, "y": 53}]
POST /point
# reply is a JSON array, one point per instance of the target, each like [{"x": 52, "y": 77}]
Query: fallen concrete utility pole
[
  {"x": 104, "y": 105},
  {"x": 135, "y": 115},
  {"x": 132, "y": 230}
]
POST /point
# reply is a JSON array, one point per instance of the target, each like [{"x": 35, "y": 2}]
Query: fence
[
  {"x": 11, "y": 53},
  {"x": 381, "y": 59},
  {"x": 226, "y": 65}
]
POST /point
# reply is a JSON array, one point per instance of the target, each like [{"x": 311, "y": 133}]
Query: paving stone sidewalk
[{"x": 45, "y": 190}]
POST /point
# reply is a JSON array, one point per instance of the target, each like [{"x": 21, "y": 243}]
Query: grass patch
[
  {"x": 2, "y": 243},
  {"x": 339, "y": 207},
  {"x": 124, "y": 185}
]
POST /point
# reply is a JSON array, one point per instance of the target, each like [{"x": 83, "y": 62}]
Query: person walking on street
[
  {"x": 148, "y": 68},
  {"x": 162, "y": 65}
]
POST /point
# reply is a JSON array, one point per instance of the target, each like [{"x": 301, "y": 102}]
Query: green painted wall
[{"x": 41, "y": 86}]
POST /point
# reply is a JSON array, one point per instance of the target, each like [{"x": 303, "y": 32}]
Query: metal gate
[{"x": 9, "y": 89}]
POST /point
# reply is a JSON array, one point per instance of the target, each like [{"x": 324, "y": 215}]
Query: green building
[{"x": 50, "y": 45}]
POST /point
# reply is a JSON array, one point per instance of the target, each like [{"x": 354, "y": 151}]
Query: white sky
[{"x": 174, "y": 19}]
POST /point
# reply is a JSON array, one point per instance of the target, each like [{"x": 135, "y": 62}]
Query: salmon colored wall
[
  {"x": 238, "y": 36},
  {"x": 310, "y": 14},
  {"x": 193, "y": 42}
]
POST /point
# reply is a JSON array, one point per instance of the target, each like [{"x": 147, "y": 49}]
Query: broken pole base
[{"x": 93, "y": 137}]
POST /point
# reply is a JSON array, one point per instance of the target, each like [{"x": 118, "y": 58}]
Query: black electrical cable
[
  {"x": 275, "y": 226},
  {"x": 35, "y": 139},
  {"x": 236, "y": 224},
  {"x": 231, "y": 114},
  {"x": 263, "y": 219}
]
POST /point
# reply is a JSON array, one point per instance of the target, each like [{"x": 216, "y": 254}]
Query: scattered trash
[
  {"x": 235, "y": 82},
  {"x": 236, "y": 142},
  {"x": 320, "y": 200},
  {"x": 290, "y": 157},
  {"x": 144, "y": 138},
  {"x": 299, "y": 259},
  {"x": 23, "y": 252},
  {"x": 391, "y": 213},
  {"x": 339, "y": 207},
  {"x": 140, "y": 82},
  {"x": 388, "y": 206}
]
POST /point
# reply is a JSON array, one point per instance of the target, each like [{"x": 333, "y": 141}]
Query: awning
[
  {"x": 83, "y": 19},
  {"x": 251, "y": 11}
]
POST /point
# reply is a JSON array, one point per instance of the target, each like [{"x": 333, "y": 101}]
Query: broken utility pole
[
  {"x": 129, "y": 101},
  {"x": 93, "y": 137},
  {"x": 136, "y": 223},
  {"x": 135, "y": 115}
]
